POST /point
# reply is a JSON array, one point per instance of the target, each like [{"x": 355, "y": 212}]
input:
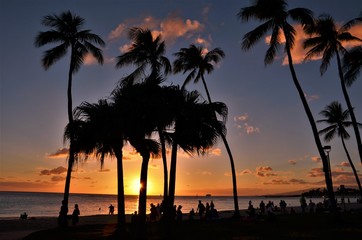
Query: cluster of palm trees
[
  {"x": 140, "y": 108},
  {"x": 148, "y": 115},
  {"x": 326, "y": 40}
]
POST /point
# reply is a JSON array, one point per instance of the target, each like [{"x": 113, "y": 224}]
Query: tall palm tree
[
  {"x": 67, "y": 29},
  {"x": 275, "y": 15},
  {"x": 195, "y": 130},
  {"x": 338, "y": 120},
  {"x": 194, "y": 59},
  {"x": 147, "y": 53},
  {"x": 327, "y": 39},
  {"x": 105, "y": 136},
  {"x": 352, "y": 65},
  {"x": 139, "y": 125}
]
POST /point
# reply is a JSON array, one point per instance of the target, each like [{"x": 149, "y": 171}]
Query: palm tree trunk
[
  {"x": 226, "y": 144},
  {"x": 121, "y": 216},
  {"x": 352, "y": 166},
  {"x": 350, "y": 108},
  {"x": 164, "y": 161},
  {"x": 172, "y": 187},
  {"x": 142, "y": 200},
  {"x": 71, "y": 150},
  {"x": 317, "y": 140}
]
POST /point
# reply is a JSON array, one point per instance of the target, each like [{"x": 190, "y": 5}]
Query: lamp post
[{"x": 327, "y": 149}]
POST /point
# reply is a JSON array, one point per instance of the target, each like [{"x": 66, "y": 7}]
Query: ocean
[{"x": 12, "y": 204}]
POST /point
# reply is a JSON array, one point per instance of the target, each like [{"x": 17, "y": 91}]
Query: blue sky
[{"x": 268, "y": 131}]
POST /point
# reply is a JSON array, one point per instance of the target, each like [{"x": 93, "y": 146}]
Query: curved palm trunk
[
  {"x": 350, "y": 108},
  {"x": 352, "y": 166},
  {"x": 71, "y": 150},
  {"x": 317, "y": 140},
  {"x": 121, "y": 216},
  {"x": 233, "y": 172}
]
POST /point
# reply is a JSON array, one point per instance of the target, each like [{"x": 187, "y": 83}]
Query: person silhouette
[
  {"x": 75, "y": 215},
  {"x": 111, "y": 209},
  {"x": 62, "y": 219}
]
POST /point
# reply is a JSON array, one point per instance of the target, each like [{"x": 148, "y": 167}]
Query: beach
[{"x": 15, "y": 229}]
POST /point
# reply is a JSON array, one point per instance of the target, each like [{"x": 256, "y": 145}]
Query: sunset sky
[{"x": 268, "y": 131}]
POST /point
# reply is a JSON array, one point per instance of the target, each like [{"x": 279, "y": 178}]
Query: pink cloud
[
  {"x": 316, "y": 159},
  {"x": 316, "y": 172},
  {"x": 264, "y": 171}
]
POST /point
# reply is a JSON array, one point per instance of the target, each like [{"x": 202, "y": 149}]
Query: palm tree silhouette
[
  {"x": 103, "y": 134},
  {"x": 195, "y": 60},
  {"x": 275, "y": 14},
  {"x": 337, "y": 120},
  {"x": 327, "y": 40},
  {"x": 195, "y": 130},
  {"x": 147, "y": 53},
  {"x": 352, "y": 64},
  {"x": 67, "y": 29}
]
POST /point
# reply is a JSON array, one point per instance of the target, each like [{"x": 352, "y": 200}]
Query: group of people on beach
[{"x": 63, "y": 215}]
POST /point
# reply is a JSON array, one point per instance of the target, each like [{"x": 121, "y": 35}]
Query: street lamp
[{"x": 327, "y": 149}]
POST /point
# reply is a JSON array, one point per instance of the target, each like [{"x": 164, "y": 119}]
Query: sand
[{"x": 15, "y": 229}]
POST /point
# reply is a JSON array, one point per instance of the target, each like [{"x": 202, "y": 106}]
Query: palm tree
[
  {"x": 139, "y": 124},
  {"x": 327, "y": 40},
  {"x": 275, "y": 15},
  {"x": 145, "y": 52},
  {"x": 105, "y": 133},
  {"x": 148, "y": 52},
  {"x": 195, "y": 130},
  {"x": 338, "y": 120},
  {"x": 67, "y": 29},
  {"x": 352, "y": 64},
  {"x": 194, "y": 59}
]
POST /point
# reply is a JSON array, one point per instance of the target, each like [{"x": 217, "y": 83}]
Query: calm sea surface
[{"x": 12, "y": 204}]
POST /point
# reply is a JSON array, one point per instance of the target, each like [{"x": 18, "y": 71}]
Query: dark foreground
[{"x": 307, "y": 226}]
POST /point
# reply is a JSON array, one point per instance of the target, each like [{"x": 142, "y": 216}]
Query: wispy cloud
[{"x": 243, "y": 124}]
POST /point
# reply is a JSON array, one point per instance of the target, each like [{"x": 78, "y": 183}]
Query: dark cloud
[
  {"x": 57, "y": 179},
  {"x": 60, "y": 153},
  {"x": 264, "y": 171},
  {"x": 55, "y": 171}
]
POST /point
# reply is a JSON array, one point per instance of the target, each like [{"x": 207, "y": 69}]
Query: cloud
[
  {"x": 316, "y": 159},
  {"x": 243, "y": 124},
  {"x": 60, "y": 153},
  {"x": 105, "y": 170},
  {"x": 316, "y": 172},
  {"x": 55, "y": 171},
  {"x": 57, "y": 179},
  {"x": 245, "y": 172},
  {"x": 216, "y": 152},
  {"x": 279, "y": 181},
  {"x": 171, "y": 28},
  {"x": 264, "y": 171},
  {"x": 311, "y": 98},
  {"x": 344, "y": 164},
  {"x": 89, "y": 59},
  {"x": 292, "y": 162},
  {"x": 206, "y": 173}
]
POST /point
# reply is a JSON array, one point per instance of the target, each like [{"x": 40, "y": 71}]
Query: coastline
[{"x": 15, "y": 229}]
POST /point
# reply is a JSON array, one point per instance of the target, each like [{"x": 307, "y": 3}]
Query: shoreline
[{"x": 15, "y": 229}]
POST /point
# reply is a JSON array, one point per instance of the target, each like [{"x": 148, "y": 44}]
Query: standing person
[
  {"x": 303, "y": 203},
  {"x": 75, "y": 215},
  {"x": 200, "y": 209},
  {"x": 111, "y": 209},
  {"x": 262, "y": 207},
  {"x": 179, "y": 213}
]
